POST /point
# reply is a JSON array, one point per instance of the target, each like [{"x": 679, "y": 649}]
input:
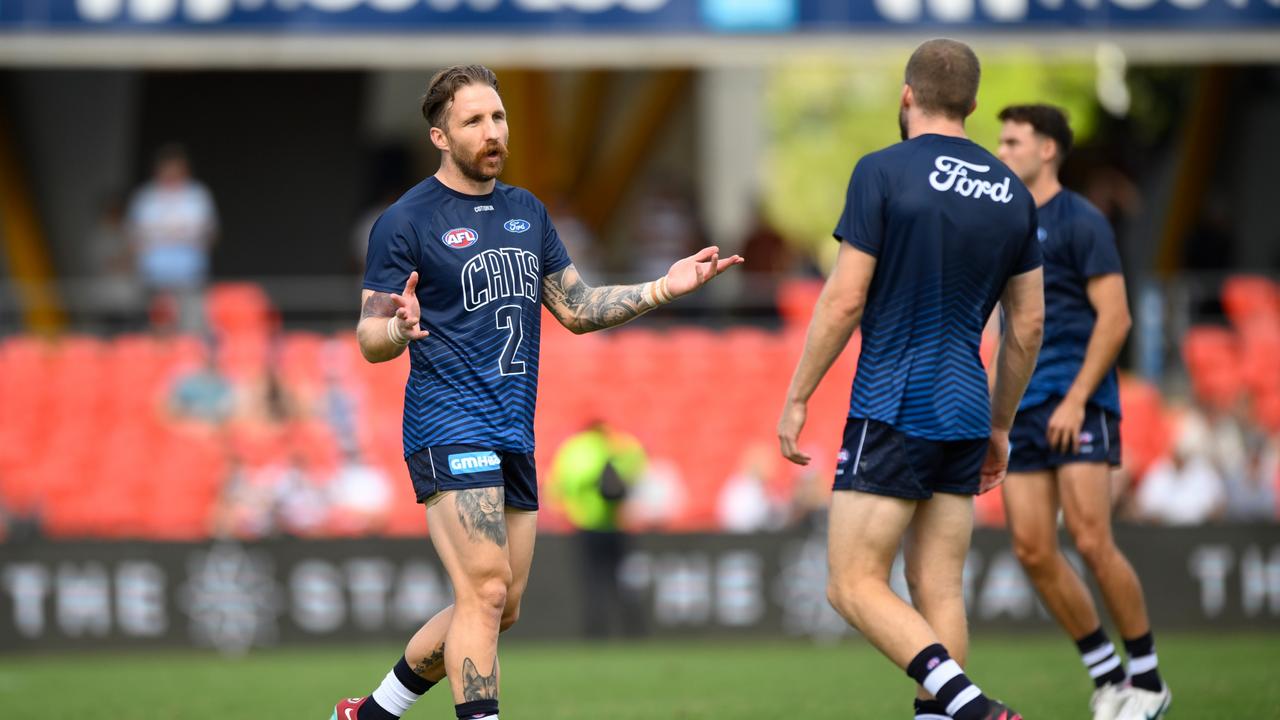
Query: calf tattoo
[
  {"x": 480, "y": 511},
  {"x": 433, "y": 659},
  {"x": 476, "y": 686}
]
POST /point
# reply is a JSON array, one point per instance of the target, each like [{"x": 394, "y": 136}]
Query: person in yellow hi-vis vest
[{"x": 591, "y": 476}]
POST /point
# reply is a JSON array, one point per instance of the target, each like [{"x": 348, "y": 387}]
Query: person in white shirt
[
  {"x": 1185, "y": 487},
  {"x": 172, "y": 225}
]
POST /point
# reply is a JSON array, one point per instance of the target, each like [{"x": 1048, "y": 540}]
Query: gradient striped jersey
[
  {"x": 949, "y": 224},
  {"x": 480, "y": 262},
  {"x": 1078, "y": 244}
]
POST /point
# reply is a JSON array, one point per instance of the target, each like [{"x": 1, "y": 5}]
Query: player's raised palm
[
  {"x": 408, "y": 311},
  {"x": 693, "y": 272}
]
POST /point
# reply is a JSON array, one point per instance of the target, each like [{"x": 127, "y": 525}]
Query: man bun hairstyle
[
  {"x": 943, "y": 76},
  {"x": 446, "y": 83},
  {"x": 1048, "y": 121}
]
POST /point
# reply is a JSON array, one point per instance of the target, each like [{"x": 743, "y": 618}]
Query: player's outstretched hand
[
  {"x": 408, "y": 312},
  {"x": 996, "y": 463},
  {"x": 693, "y": 272},
  {"x": 789, "y": 427}
]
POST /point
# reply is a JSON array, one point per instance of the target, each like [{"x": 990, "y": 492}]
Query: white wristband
[
  {"x": 394, "y": 334},
  {"x": 657, "y": 292}
]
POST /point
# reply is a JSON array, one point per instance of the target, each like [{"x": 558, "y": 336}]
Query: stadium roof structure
[
  {"x": 612, "y": 33},
  {"x": 398, "y": 51}
]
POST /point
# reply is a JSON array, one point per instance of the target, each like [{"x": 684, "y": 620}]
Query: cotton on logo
[
  {"x": 953, "y": 174},
  {"x": 459, "y": 238}
]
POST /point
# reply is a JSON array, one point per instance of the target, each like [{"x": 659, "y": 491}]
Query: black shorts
[
  {"x": 876, "y": 458},
  {"x": 1029, "y": 449},
  {"x": 461, "y": 467}
]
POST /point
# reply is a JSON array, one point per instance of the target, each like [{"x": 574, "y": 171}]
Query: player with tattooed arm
[{"x": 457, "y": 269}]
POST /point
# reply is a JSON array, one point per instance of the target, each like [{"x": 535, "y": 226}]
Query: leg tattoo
[
  {"x": 434, "y": 659},
  {"x": 480, "y": 511},
  {"x": 476, "y": 686}
]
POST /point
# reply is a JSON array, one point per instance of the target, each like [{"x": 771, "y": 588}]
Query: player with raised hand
[
  {"x": 457, "y": 269},
  {"x": 934, "y": 231},
  {"x": 1067, "y": 435}
]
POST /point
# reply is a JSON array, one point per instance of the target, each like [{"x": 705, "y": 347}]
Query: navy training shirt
[
  {"x": 1078, "y": 244},
  {"x": 480, "y": 262},
  {"x": 949, "y": 225}
]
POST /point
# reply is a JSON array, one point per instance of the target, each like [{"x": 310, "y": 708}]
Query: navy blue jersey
[
  {"x": 480, "y": 262},
  {"x": 949, "y": 225},
  {"x": 1078, "y": 244}
]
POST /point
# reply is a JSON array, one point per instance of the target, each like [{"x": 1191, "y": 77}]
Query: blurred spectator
[
  {"x": 359, "y": 498},
  {"x": 246, "y": 507},
  {"x": 301, "y": 500},
  {"x": 172, "y": 224},
  {"x": 744, "y": 505},
  {"x": 658, "y": 499},
  {"x": 1184, "y": 488},
  {"x": 810, "y": 498},
  {"x": 203, "y": 395},
  {"x": 1251, "y": 495},
  {"x": 591, "y": 476},
  {"x": 113, "y": 292}
]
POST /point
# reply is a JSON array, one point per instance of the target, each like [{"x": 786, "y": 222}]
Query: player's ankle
[{"x": 477, "y": 710}]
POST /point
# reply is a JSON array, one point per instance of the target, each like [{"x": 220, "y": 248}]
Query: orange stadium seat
[
  {"x": 1143, "y": 426},
  {"x": 1248, "y": 297},
  {"x": 1212, "y": 358},
  {"x": 239, "y": 308}
]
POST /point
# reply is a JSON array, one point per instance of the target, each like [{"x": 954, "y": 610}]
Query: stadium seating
[{"x": 87, "y": 444}]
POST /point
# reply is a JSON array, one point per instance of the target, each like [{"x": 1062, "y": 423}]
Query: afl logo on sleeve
[
  {"x": 516, "y": 225},
  {"x": 459, "y": 238}
]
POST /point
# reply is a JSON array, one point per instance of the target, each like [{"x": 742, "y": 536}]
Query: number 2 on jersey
[{"x": 508, "y": 318}]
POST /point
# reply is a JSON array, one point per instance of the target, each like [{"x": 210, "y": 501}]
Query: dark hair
[
  {"x": 1047, "y": 120},
  {"x": 170, "y": 152},
  {"x": 444, "y": 84},
  {"x": 943, "y": 75}
]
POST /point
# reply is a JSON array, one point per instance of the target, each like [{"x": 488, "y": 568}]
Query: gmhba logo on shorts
[{"x": 465, "y": 463}]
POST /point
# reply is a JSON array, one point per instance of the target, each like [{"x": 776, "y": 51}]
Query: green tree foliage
[{"x": 823, "y": 115}]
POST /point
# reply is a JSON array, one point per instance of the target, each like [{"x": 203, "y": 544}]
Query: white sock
[{"x": 394, "y": 697}]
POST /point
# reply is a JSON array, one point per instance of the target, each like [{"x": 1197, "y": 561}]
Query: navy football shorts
[
  {"x": 462, "y": 467},
  {"x": 1029, "y": 449},
  {"x": 876, "y": 458}
]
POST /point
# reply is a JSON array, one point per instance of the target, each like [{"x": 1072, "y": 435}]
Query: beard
[
  {"x": 902, "y": 122},
  {"x": 484, "y": 165}
]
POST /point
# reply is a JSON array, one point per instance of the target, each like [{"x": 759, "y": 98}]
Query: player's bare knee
[
  {"x": 487, "y": 592},
  {"x": 846, "y": 595},
  {"x": 1096, "y": 550},
  {"x": 1035, "y": 555}
]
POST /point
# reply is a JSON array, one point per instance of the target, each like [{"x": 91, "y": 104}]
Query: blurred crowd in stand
[{"x": 208, "y": 417}]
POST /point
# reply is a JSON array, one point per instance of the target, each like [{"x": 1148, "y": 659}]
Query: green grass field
[{"x": 1213, "y": 676}]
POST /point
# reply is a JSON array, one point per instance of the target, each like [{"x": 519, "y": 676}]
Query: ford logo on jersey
[
  {"x": 516, "y": 225},
  {"x": 459, "y": 238},
  {"x": 474, "y": 462}
]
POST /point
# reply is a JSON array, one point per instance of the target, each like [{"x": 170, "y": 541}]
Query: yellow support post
[{"x": 25, "y": 249}]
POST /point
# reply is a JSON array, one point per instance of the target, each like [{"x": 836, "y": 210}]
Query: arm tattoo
[
  {"x": 476, "y": 686},
  {"x": 480, "y": 511},
  {"x": 582, "y": 308},
  {"x": 379, "y": 304},
  {"x": 432, "y": 661}
]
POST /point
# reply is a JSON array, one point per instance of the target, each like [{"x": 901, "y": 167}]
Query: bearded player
[{"x": 457, "y": 270}]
